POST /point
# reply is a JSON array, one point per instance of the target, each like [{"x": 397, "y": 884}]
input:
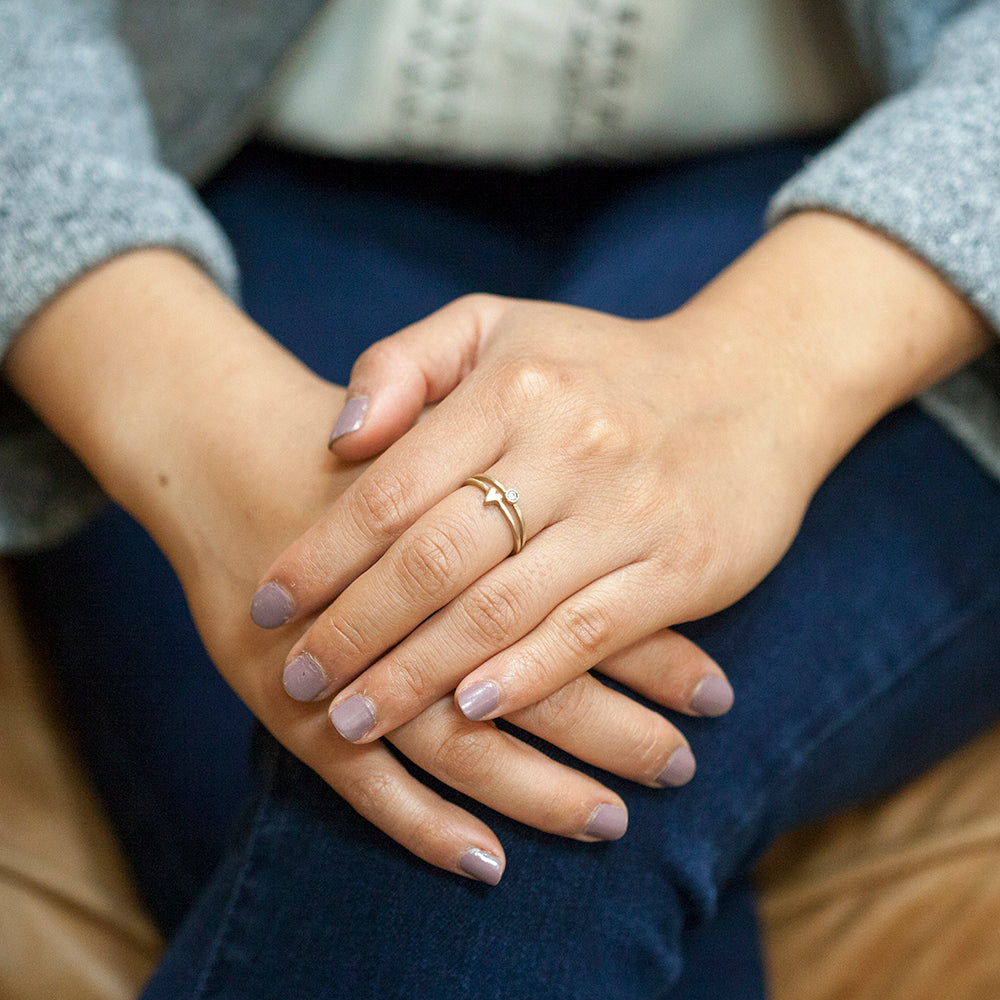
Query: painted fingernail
[
  {"x": 679, "y": 770},
  {"x": 713, "y": 696},
  {"x": 354, "y": 717},
  {"x": 304, "y": 679},
  {"x": 271, "y": 606},
  {"x": 477, "y": 701},
  {"x": 481, "y": 865},
  {"x": 352, "y": 416},
  {"x": 607, "y": 822}
]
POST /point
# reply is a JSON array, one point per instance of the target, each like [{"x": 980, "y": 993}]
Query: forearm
[
  {"x": 841, "y": 324},
  {"x": 921, "y": 164},
  {"x": 81, "y": 180},
  {"x": 163, "y": 388}
]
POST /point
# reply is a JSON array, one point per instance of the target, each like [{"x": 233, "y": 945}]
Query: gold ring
[{"x": 506, "y": 501}]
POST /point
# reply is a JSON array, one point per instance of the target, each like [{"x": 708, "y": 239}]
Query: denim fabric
[
  {"x": 866, "y": 655},
  {"x": 869, "y": 652}
]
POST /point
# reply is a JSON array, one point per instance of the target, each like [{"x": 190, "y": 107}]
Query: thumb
[{"x": 396, "y": 378}]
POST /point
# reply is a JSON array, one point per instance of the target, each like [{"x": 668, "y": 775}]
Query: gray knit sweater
[{"x": 108, "y": 111}]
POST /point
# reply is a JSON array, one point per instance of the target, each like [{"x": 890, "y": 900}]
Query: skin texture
[
  {"x": 726, "y": 416},
  {"x": 678, "y": 457},
  {"x": 214, "y": 438}
]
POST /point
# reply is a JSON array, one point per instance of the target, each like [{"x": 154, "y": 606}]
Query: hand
[
  {"x": 205, "y": 430},
  {"x": 578, "y": 411},
  {"x": 663, "y": 469}
]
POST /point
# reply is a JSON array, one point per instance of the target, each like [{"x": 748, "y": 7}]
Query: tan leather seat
[
  {"x": 71, "y": 925},
  {"x": 899, "y": 900},
  {"x": 895, "y": 901}
]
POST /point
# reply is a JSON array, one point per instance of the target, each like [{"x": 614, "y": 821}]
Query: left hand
[
  {"x": 201, "y": 426},
  {"x": 663, "y": 468},
  {"x": 652, "y": 492}
]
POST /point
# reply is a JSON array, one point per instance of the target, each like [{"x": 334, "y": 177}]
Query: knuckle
[
  {"x": 545, "y": 672},
  {"x": 476, "y": 301},
  {"x": 429, "y": 840},
  {"x": 524, "y": 381},
  {"x": 587, "y": 628},
  {"x": 555, "y": 812},
  {"x": 407, "y": 681},
  {"x": 429, "y": 560},
  {"x": 698, "y": 553},
  {"x": 374, "y": 794},
  {"x": 466, "y": 757},
  {"x": 378, "y": 355},
  {"x": 604, "y": 435},
  {"x": 347, "y": 640},
  {"x": 651, "y": 749},
  {"x": 492, "y": 610},
  {"x": 379, "y": 505},
  {"x": 564, "y": 708}
]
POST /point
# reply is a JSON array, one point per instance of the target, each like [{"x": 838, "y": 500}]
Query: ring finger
[
  {"x": 496, "y": 611},
  {"x": 436, "y": 560}
]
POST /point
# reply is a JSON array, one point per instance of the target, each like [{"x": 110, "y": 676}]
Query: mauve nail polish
[
  {"x": 478, "y": 701},
  {"x": 607, "y": 822},
  {"x": 481, "y": 865},
  {"x": 304, "y": 679},
  {"x": 353, "y": 718},
  {"x": 352, "y": 416},
  {"x": 679, "y": 770},
  {"x": 272, "y": 606},
  {"x": 713, "y": 696}
]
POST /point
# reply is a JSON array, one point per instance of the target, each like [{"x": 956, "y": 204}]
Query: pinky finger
[
  {"x": 671, "y": 670},
  {"x": 600, "y": 726},
  {"x": 510, "y": 777}
]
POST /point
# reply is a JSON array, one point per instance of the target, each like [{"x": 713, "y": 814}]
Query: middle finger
[{"x": 437, "y": 559}]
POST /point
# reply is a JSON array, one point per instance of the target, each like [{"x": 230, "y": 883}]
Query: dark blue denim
[{"x": 867, "y": 654}]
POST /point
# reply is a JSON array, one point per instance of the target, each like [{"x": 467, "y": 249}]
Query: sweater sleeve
[
  {"x": 923, "y": 166},
  {"x": 80, "y": 182}
]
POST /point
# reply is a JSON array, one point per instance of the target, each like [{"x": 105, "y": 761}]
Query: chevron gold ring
[{"x": 506, "y": 502}]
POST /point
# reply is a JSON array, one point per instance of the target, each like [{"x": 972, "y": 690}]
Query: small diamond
[{"x": 512, "y": 496}]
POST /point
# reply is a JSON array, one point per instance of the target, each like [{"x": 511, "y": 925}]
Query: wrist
[
  {"x": 845, "y": 325},
  {"x": 168, "y": 393}
]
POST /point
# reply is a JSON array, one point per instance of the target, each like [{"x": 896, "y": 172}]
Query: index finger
[
  {"x": 463, "y": 437},
  {"x": 386, "y": 500}
]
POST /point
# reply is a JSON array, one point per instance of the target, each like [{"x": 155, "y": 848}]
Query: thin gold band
[{"x": 506, "y": 501}]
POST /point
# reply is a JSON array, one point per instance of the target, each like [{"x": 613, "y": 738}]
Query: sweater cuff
[
  {"x": 96, "y": 209},
  {"x": 922, "y": 167}
]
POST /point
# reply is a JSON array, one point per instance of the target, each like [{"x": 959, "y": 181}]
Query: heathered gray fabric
[
  {"x": 204, "y": 64},
  {"x": 80, "y": 182},
  {"x": 924, "y": 167},
  {"x": 82, "y": 179}
]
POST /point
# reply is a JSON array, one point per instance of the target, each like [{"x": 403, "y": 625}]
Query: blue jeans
[{"x": 866, "y": 655}]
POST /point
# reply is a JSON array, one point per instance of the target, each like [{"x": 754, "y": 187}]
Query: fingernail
[
  {"x": 679, "y": 770},
  {"x": 607, "y": 822},
  {"x": 481, "y": 865},
  {"x": 713, "y": 696},
  {"x": 477, "y": 701},
  {"x": 352, "y": 416},
  {"x": 271, "y": 606},
  {"x": 354, "y": 717},
  {"x": 304, "y": 679}
]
